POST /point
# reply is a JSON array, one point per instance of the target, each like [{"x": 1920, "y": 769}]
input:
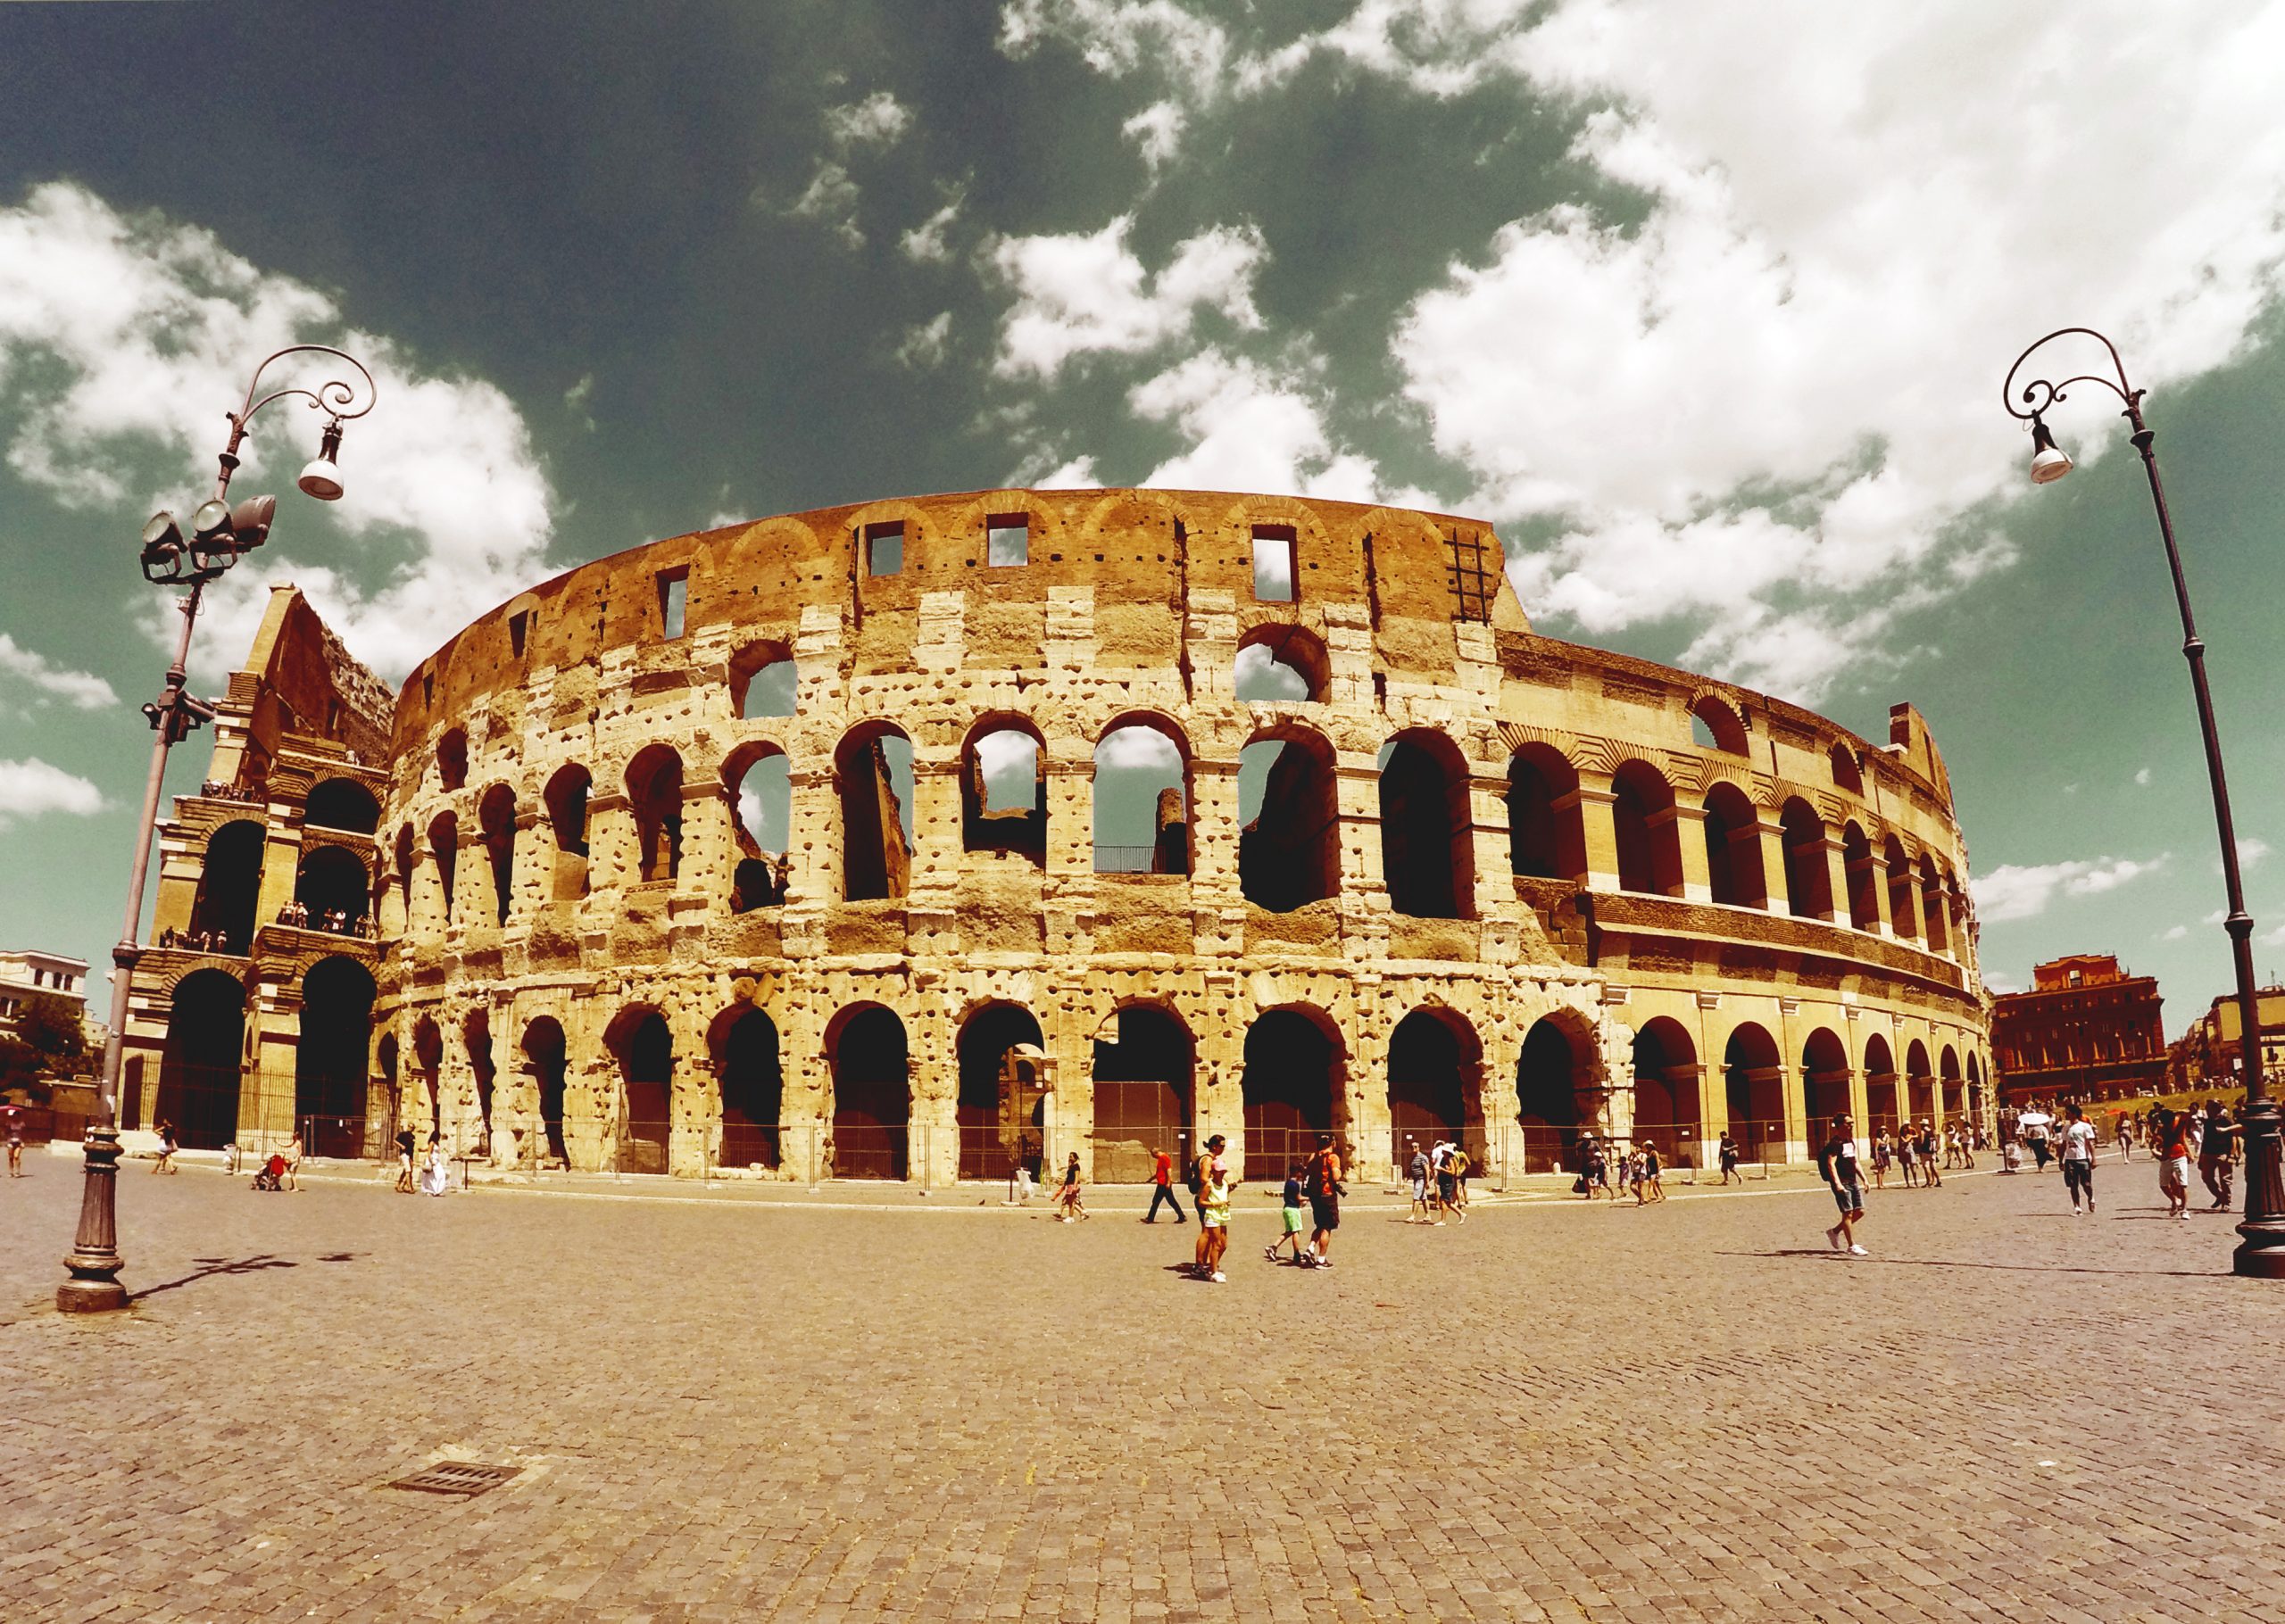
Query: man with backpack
[{"x": 1321, "y": 1185}]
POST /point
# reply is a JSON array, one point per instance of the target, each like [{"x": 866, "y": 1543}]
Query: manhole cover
[{"x": 464, "y": 1478}]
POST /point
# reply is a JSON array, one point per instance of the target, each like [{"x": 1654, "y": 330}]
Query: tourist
[
  {"x": 2011, "y": 1158},
  {"x": 1929, "y": 1176},
  {"x": 405, "y": 1161},
  {"x": 1212, "y": 1191},
  {"x": 1068, "y": 1198},
  {"x": 1461, "y": 1167},
  {"x": 2170, "y": 1143},
  {"x": 1598, "y": 1169},
  {"x": 166, "y": 1162},
  {"x": 1905, "y": 1156},
  {"x": 2078, "y": 1151},
  {"x": 12, "y": 1121},
  {"x": 1417, "y": 1169},
  {"x": 2216, "y": 1149},
  {"x": 294, "y": 1164},
  {"x": 1162, "y": 1188},
  {"x": 1967, "y": 1147},
  {"x": 1447, "y": 1185},
  {"x": 1289, "y": 1211},
  {"x": 1728, "y": 1153},
  {"x": 1646, "y": 1187},
  {"x": 1324, "y": 1188},
  {"x": 434, "y": 1177},
  {"x": 2123, "y": 1131},
  {"x": 1883, "y": 1153},
  {"x": 2035, "y": 1136},
  {"x": 1837, "y": 1164}
]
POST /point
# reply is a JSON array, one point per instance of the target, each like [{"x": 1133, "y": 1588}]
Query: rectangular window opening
[
  {"x": 1008, "y": 540},
  {"x": 427, "y": 689},
  {"x": 1273, "y": 564},
  {"x": 885, "y": 548},
  {"x": 674, "y": 586},
  {"x": 517, "y": 626}
]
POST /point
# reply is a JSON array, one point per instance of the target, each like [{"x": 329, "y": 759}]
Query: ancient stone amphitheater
[{"x": 916, "y": 838}]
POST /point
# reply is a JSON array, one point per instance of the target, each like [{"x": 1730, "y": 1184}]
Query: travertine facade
[{"x": 1498, "y": 883}]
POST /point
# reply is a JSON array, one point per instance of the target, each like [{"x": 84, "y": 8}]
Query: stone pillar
[
  {"x": 1689, "y": 839},
  {"x": 1217, "y": 897},
  {"x": 534, "y": 886},
  {"x": 1768, "y": 838},
  {"x": 1595, "y": 801},
  {"x": 1836, "y": 870},
  {"x": 710, "y": 847},
  {"x": 611, "y": 860},
  {"x": 266, "y": 1081},
  {"x": 1872, "y": 871},
  {"x": 813, "y": 837}
]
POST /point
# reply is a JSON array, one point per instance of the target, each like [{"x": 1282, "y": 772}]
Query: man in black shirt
[
  {"x": 2214, "y": 1162},
  {"x": 1837, "y": 1163}
]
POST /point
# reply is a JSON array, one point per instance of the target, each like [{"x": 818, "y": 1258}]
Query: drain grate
[{"x": 467, "y": 1479}]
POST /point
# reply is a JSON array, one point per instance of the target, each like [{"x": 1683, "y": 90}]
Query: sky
[{"x": 1707, "y": 308}]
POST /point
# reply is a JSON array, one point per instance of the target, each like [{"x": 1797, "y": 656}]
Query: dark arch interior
[
  {"x": 1288, "y": 852},
  {"x": 332, "y": 880},
  {"x": 478, "y": 1035},
  {"x": 1665, "y": 1088},
  {"x": 1547, "y": 1096},
  {"x": 343, "y": 804},
  {"x": 229, "y": 890},
  {"x": 1000, "y": 1129},
  {"x": 655, "y": 784},
  {"x": 567, "y": 815},
  {"x": 1142, "y": 1089},
  {"x": 545, "y": 1056},
  {"x": 1808, "y": 882},
  {"x": 1428, "y": 1079},
  {"x": 1289, "y": 1089},
  {"x": 646, "y": 1072},
  {"x": 1426, "y": 832},
  {"x": 872, "y": 1100},
  {"x": 753, "y": 1092},
  {"x": 1880, "y": 1085},
  {"x": 198, "y": 1069},
  {"x": 329, "y": 1060},
  {"x": 1641, "y": 808},
  {"x": 498, "y": 819},
  {"x": 1734, "y": 849},
  {"x": 1753, "y": 1090},
  {"x": 875, "y": 829},
  {"x": 1825, "y": 1075},
  {"x": 444, "y": 850},
  {"x": 1544, "y": 842}
]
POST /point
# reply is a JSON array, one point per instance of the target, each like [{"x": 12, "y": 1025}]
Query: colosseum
[{"x": 922, "y": 839}]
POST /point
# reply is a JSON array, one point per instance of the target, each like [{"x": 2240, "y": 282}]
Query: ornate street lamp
[
  {"x": 2261, "y": 1250},
  {"x": 220, "y": 535}
]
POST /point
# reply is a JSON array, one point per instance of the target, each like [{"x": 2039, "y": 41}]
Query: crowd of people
[
  {"x": 1612, "y": 1168},
  {"x": 197, "y": 942},
  {"x": 215, "y": 789},
  {"x": 333, "y": 920}
]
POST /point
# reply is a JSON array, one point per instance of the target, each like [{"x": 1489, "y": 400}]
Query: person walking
[
  {"x": 2035, "y": 1136},
  {"x": 1883, "y": 1153},
  {"x": 2078, "y": 1149},
  {"x": 1162, "y": 1189},
  {"x": 405, "y": 1161},
  {"x": 1069, "y": 1198},
  {"x": 2123, "y": 1130},
  {"x": 1837, "y": 1163},
  {"x": 2216, "y": 1153},
  {"x": 166, "y": 1162},
  {"x": 1323, "y": 1187},
  {"x": 1459, "y": 1164},
  {"x": 1905, "y": 1156},
  {"x": 294, "y": 1164},
  {"x": 1646, "y": 1187},
  {"x": 2170, "y": 1143},
  {"x": 1417, "y": 1170},
  {"x": 1447, "y": 1186},
  {"x": 12, "y": 1120},
  {"x": 1728, "y": 1152},
  {"x": 1213, "y": 1196},
  {"x": 1289, "y": 1212}
]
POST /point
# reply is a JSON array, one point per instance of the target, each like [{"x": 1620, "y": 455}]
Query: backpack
[{"x": 1196, "y": 1179}]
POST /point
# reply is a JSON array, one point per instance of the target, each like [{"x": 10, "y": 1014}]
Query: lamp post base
[
  {"x": 94, "y": 1262},
  {"x": 2261, "y": 1253}
]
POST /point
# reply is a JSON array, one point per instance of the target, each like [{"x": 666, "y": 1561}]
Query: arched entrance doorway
[
  {"x": 1919, "y": 1081},
  {"x": 999, "y": 1131},
  {"x": 1665, "y": 1091},
  {"x": 1552, "y": 1073},
  {"x": 643, "y": 1045},
  {"x": 545, "y": 1058},
  {"x": 198, "y": 1069},
  {"x": 329, "y": 1059},
  {"x": 753, "y": 1084},
  {"x": 872, "y": 1094},
  {"x": 1880, "y": 1085},
  {"x": 1753, "y": 1091},
  {"x": 1289, "y": 1089},
  {"x": 1825, "y": 1084},
  {"x": 1142, "y": 1092},
  {"x": 229, "y": 887},
  {"x": 1435, "y": 1066}
]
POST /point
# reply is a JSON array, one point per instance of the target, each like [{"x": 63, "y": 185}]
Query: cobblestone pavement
[{"x": 730, "y": 1410}]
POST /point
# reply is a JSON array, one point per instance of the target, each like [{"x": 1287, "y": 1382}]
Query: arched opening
[
  {"x": 1435, "y": 1068},
  {"x": 198, "y": 1068},
  {"x": 1846, "y": 773},
  {"x": 428, "y": 1064},
  {"x": 1289, "y": 847},
  {"x": 383, "y": 1135},
  {"x": 496, "y": 824},
  {"x": 1002, "y": 1123},
  {"x": 872, "y": 1094},
  {"x": 1880, "y": 1085},
  {"x": 1280, "y": 665},
  {"x": 342, "y": 804},
  {"x": 404, "y": 856},
  {"x": 329, "y": 1058},
  {"x": 1003, "y": 790},
  {"x": 1717, "y": 725},
  {"x": 1864, "y": 886},
  {"x": 654, "y": 792},
  {"x": 1919, "y": 1081},
  {"x": 759, "y": 780},
  {"x": 444, "y": 850},
  {"x": 872, "y": 772},
  {"x": 1809, "y": 881},
  {"x": 1142, "y": 1093},
  {"x": 1753, "y": 1089},
  {"x": 546, "y": 1059},
  {"x": 1553, "y": 1075},
  {"x": 763, "y": 681},
  {"x": 1665, "y": 1089},
  {"x": 1733, "y": 848},
  {"x": 1948, "y": 1077},
  {"x": 1142, "y": 801},
  {"x": 332, "y": 889},
  {"x": 476, "y": 1032},
  {"x": 753, "y": 1082},
  {"x": 567, "y": 815},
  {"x": 1427, "y": 827},
  {"x": 1933, "y": 912},
  {"x": 1546, "y": 839},
  {"x": 1904, "y": 909},
  {"x": 1290, "y": 1087},
  {"x": 643, "y": 1045},
  {"x": 1974, "y": 1087},
  {"x": 1825, "y": 1082},
  {"x": 452, "y": 760},
  {"x": 229, "y": 888},
  {"x": 1642, "y": 820}
]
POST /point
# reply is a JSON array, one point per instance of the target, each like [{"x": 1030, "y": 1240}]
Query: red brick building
[{"x": 2086, "y": 1029}]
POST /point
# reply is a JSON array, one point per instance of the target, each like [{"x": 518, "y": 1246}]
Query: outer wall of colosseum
[{"x": 1499, "y": 884}]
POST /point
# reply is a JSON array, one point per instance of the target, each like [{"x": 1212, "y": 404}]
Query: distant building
[
  {"x": 27, "y": 972},
  {"x": 2086, "y": 1029},
  {"x": 2208, "y": 1057}
]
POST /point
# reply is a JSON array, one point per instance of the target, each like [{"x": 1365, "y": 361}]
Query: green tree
[
  {"x": 21, "y": 1065},
  {"x": 53, "y": 1027}
]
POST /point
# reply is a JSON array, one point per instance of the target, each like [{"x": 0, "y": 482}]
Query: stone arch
[
  {"x": 547, "y": 1063},
  {"x": 1848, "y": 772},
  {"x": 1825, "y": 1076},
  {"x": 1864, "y": 886},
  {"x": 1003, "y": 787},
  {"x": 764, "y": 680},
  {"x": 758, "y": 783},
  {"x": 999, "y": 1130},
  {"x": 1880, "y": 1085},
  {"x": 1435, "y": 1081},
  {"x": 1546, "y": 836},
  {"x": 331, "y": 878},
  {"x": 1753, "y": 1089},
  {"x": 199, "y": 1065},
  {"x": 1808, "y": 879},
  {"x": 1725, "y": 729},
  {"x": 444, "y": 851},
  {"x": 452, "y": 760},
  {"x": 876, "y": 817},
  {"x": 1920, "y": 1081},
  {"x": 495, "y": 821},
  {"x": 428, "y": 1064},
  {"x": 1144, "y": 1081},
  {"x": 1288, "y": 852},
  {"x": 1280, "y": 663},
  {"x": 643, "y": 1044},
  {"x": 1666, "y": 1086},
  {"x": 1291, "y": 1088},
  {"x": 341, "y": 804},
  {"x": 654, "y": 795},
  {"x": 1141, "y": 796},
  {"x": 1974, "y": 1086},
  {"x": 229, "y": 886},
  {"x": 1948, "y": 1081},
  {"x": 749, "y": 1081},
  {"x": 1427, "y": 826},
  {"x": 872, "y": 1092},
  {"x": 329, "y": 1086},
  {"x": 1904, "y": 909},
  {"x": 567, "y": 815},
  {"x": 1557, "y": 1077},
  {"x": 1733, "y": 866},
  {"x": 475, "y": 1035},
  {"x": 1643, "y": 824}
]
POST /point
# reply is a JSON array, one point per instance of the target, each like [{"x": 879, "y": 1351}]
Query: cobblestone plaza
[{"x": 868, "y": 1404}]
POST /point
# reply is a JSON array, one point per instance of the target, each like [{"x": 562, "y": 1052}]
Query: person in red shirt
[{"x": 1162, "y": 1173}]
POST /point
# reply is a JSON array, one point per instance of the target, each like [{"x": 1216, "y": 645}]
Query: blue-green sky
[{"x": 1707, "y": 306}]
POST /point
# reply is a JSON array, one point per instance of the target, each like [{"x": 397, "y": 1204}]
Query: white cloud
[
  {"x": 1263, "y": 678},
  {"x": 2017, "y": 891},
  {"x": 1010, "y": 762},
  {"x": 879, "y": 120},
  {"x": 2251, "y": 851},
  {"x": 1250, "y": 429},
  {"x": 2173, "y": 933},
  {"x": 2143, "y": 777},
  {"x": 82, "y": 690},
  {"x": 1157, "y": 133},
  {"x": 926, "y": 240},
  {"x": 31, "y": 787},
  {"x": 831, "y": 196},
  {"x": 923, "y": 346},
  {"x": 1086, "y": 293},
  {"x": 1138, "y": 750},
  {"x": 1117, "y": 37}
]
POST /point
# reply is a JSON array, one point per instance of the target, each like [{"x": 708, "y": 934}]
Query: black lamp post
[
  {"x": 220, "y": 535},
  {"x": 2261, "y": 1250}
]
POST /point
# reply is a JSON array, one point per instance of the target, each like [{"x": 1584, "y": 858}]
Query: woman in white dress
[{"x": 433, "y": 1176}]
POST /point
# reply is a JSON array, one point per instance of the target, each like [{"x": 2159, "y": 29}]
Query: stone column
[
  {"x": 1595, "y": 801},
  {"x": 1873, "y": 872},
  {"x": 710, "y": 849},
  {"x": 612, "y": 859},
  {"x": 1836, "y": 870},
  {"x": 1689, "y": 839},
  {"x": 1767, "y": 837}
]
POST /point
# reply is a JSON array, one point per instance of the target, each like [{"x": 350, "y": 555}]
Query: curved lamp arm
[
  {"x": 2040, "y": 393},
  {"x": 339, "y": 398}
]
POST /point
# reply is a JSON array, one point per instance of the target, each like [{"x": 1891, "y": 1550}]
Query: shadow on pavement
[
  {"x": 1946, "y": 1263},
  {"x": 211, "y": 1266}
]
